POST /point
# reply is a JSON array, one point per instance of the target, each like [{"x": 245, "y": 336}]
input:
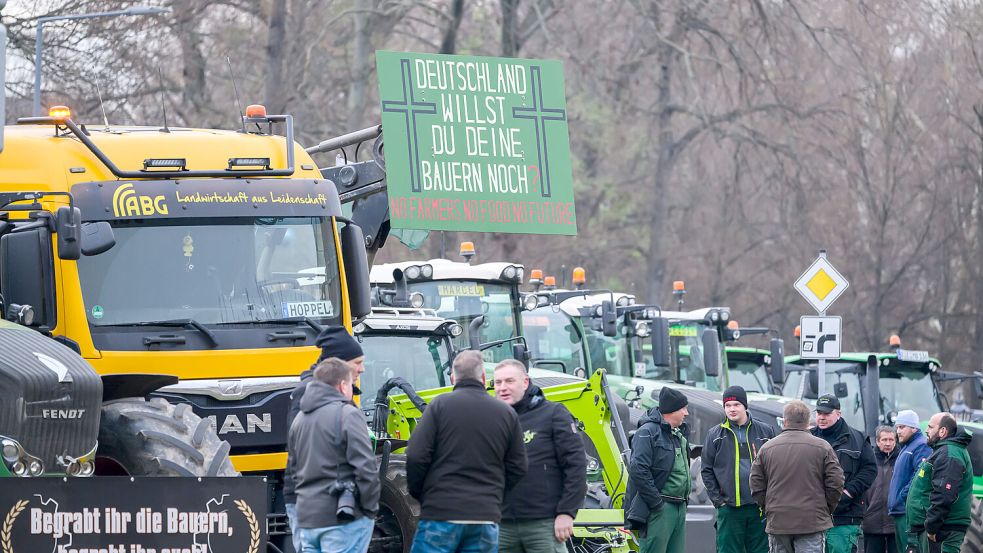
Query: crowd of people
[{"x": 508, "y": 473}]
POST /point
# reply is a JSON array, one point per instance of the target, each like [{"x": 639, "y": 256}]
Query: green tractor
[
  {"x": 893, "y": 381},
  {"x": 408, "y": 359}
]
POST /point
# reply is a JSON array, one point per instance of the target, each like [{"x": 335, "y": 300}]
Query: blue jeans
[
  {"x": 437, "y": 536},
  {"x": 353, "y": 537},
  {"x": 291, "y": 509}
]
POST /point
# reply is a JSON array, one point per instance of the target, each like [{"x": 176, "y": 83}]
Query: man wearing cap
[
  {"x": 914, "y": 449},
  {"x": 728, "y": 452},
  {"x": 856, "y": 458},
  {"x": 658, "y": 476},
  {"x": 334, "y": 341}
]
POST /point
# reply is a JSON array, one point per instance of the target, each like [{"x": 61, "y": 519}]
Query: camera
[{"x": 345, "y": 491}]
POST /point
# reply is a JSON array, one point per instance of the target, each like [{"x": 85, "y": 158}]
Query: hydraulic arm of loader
[
  {"x": 588, "y": 401},
  {"x": 362, "y": 183}
]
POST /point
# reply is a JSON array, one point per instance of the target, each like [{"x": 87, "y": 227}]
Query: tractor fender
[{"x": 119, "y": 386}]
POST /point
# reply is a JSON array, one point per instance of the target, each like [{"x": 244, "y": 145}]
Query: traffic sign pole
[
  {"x": 820, "y": 285},
  {"x": 822, "y": 362}
]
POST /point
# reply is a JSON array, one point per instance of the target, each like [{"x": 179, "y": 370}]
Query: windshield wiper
[
  {"x": 285, "y": 320},
  {"x": 179, "y": 323}
]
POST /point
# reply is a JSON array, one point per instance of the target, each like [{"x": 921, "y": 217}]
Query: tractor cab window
[
  {"x": 608, "y": 352},
  {"x": 553, "y": 337},
  {"x": 214, "y": 271},
  {"x": 908, "y": 386},
  {"x": 687, "y": 357},
  {"x": 463, "y": 300},
  {"x": 422, "y": 360},
  {"x": 837, "y": 372},
  {"x": 751, "y": 375}
]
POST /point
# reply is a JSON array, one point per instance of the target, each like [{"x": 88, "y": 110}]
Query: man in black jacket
[
  {"x": 658, "y": 476},
  {"x": 856, "y": 458},
  {"x": 729, "y": 451},
  {"x": 332, "y": 461},
  {"x": 334, "y": 341},
  {"x": 464, "y": 454},
  {"x": 538, "y": 513}
]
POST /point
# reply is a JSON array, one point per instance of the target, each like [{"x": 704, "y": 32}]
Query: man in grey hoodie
[{"x": 331, "y": 458}]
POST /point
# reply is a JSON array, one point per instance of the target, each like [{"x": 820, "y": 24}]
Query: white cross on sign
[
  {"x": 820, "y": 337},
  {"x": 821, "y": 284}
]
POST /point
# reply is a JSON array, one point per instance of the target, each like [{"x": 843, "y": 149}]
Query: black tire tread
[
  {"x": 396, "y": 496},
  {"x": 157, "y": 438},
  {"x": 973, "y": 542}
]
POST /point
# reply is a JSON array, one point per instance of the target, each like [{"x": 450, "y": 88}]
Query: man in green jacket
[
  {"x": 728, "y": 451},
  {"x": 941, "y": 495},
  {"x": 658, "y": 476}
]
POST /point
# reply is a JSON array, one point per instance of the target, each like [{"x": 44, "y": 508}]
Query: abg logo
[{"x": 127, "y": 202}]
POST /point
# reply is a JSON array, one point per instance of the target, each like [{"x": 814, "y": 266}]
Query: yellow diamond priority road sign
[{"x": 821, "y": 284}]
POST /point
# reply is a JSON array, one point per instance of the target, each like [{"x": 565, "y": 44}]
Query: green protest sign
[{"x": 476, "y": 144}]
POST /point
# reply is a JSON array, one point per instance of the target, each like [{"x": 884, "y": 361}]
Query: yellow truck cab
[{"x": 179, "y": 252}]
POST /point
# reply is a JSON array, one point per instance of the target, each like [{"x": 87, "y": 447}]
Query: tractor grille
[{"x": 50, "y": 397}]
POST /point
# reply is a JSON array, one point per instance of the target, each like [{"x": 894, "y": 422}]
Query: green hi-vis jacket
[{"x": 941, "y": 494}]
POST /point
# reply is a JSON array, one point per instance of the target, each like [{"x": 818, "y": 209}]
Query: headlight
[
  {"x": 510, "y": 273},
  {"x": 715, "y": 316},
  {"x": 359, "y": 328},
  {"x": 530, "y": 302},
  {"x": 724, "y": 315},
  {"x": 598, "y": 311},
  {"x": 642, "y": 329},
  {"x": 10, "y": 450},
  {"x": 623, "y": 301},
  {"x": 416, "y": 300},
  {"x": 520, "y": 274},
  {"x": 426, "y": 271},
  {"x": 36, "y": 469},
  {"x": 455, "y": 330},
  {"x": 412, "y": 272}
]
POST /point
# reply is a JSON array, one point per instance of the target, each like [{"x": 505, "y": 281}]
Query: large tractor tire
[
  {"x": 156, "y": 438},
  {"x": 973, "y": 543},
  {"x": 398, "y": 512}
]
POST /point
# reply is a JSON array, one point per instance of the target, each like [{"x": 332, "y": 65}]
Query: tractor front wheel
[
  {"x": 156, "y": 438},
  {"x": 973, "y": 542},
  {"x": 399, "y": 513}
]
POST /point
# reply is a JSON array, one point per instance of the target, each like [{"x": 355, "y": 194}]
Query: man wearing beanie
[
  {"x": 856, "y": 457},
  {"x": 728, "y": 452},
  {"x": 914, "y": 449},
  {"x": 658, "y": 476},
  {"x": 334, "y": 341}
]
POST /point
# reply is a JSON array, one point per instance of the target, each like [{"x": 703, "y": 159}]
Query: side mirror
[
  {"x": 660, "y": 341},
  {"x": 609, "y": 319},
  {"x": 27, "y": 276},
  {"x": 474, "y": 332},
  {"x": 978, "y": 386},
  {"x": 67, "y": 222},
  {"x": 97, "y": 238},
  {"x": 520, "y": 353},
  {"x": 711, "y": 352},
  {"x": 777, "y": 347},
  {"x": 841, "y": 390},
  {"x": 870, "y": 394},
  {"x": 356, "y": 270}
]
